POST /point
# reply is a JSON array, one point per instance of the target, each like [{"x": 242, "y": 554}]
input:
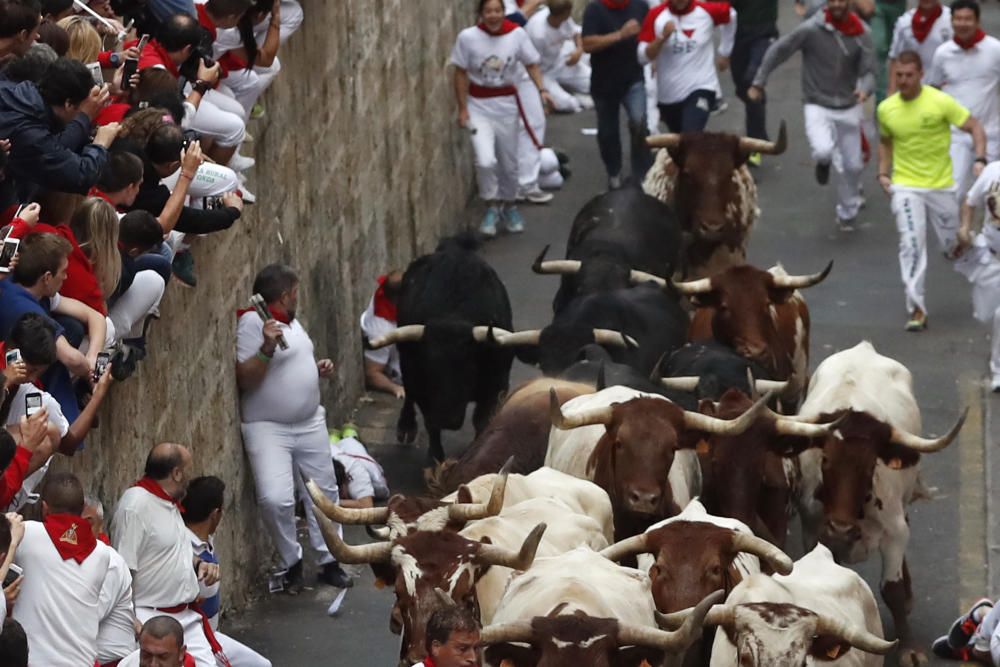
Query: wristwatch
[
  {"x": 202, "y": 86},
  {"x": 115, "y": 59},
  {"x": 980, "y": 159}
]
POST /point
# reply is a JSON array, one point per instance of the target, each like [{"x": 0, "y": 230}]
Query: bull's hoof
[
  {"x": 406, "y": 435},
  {"x": 912, "y": 657}
]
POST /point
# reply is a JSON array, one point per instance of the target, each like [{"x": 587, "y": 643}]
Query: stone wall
[{"x": 360, "y": 167}]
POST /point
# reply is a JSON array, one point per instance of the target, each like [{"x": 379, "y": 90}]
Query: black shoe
[
  {"x": 942, "y": 649},
  {"x": 333, "y": 575},
  {"x": 565, "y": 172},
  {"x": 562, "y": 157},
  {"x": 126, "y": 359},
  {"x": 822, "y": 173},
  {"x": 294, "y": 579}
]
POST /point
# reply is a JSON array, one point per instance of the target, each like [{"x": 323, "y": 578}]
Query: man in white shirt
[
  {"x": 565, "y": 70},
  {"x": 149, "y": 533},
  {"x": 967, "y": 67},
  {"x": 364, "y": 479},
  {"x": 382, "y": 372},
  {"x": 922, "y": 29},
  {"x": 283, "y": 423},
  {"x": 452, "y": 639},
  {"x": 65, "y": 567}
]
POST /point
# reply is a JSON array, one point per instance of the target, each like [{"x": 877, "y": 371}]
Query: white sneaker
[
  {"x": 248, "y": 197},
  {"x": 995, "y": 383},
  {"x": 586, "y": 101},
  {"x": 241, "y": 162},
  {"x": 538, "y": 196}
]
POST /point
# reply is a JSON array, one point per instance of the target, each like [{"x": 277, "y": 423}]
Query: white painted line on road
[{"x": 972, "y": 494}]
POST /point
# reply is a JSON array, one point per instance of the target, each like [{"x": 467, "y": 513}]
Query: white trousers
[
  {"x": 529, "y": 157},
  {"x": 563, "y": 80},
  {"x": 652, "y": 108},
  {"x": 221, "y": 118},
  {"x": 129, "y": 312},
  {"x": 194, "y": 633},
  {"x": 549, "y": 177},
  {"x": 982, "y": 269},
  {"x": 248, "y": 85},
  {"x": 963, "y": 155},
  {"x": 834, "y": 137},
  {"x": 240, "y": 655},
  {"x": 282, "y": 457},
  {"x": 913, "y": 207},
  {"x": 494, "y": 142}
]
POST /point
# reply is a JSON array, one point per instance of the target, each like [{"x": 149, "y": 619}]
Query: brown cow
[
  {"x": 520, "y": 430},
  {"x": 703, "y": 176},
  {"x": 762, "y": 316}
]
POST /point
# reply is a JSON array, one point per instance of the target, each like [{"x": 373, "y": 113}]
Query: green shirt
[{"x": 920, "y": 130}]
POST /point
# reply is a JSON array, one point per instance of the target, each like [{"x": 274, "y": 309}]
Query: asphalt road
[{"x": 862, "y": 299}]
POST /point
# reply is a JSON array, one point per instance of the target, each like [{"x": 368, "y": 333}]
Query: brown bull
[
  {"x": 761, "y": 315},
  {"x": 704, "y": 177}
]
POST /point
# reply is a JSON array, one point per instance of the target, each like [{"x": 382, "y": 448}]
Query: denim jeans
[
  {"x": 748, "y": 52},
  {"x": 609, "y": 132},
  {"x": 690, "y": 114}
]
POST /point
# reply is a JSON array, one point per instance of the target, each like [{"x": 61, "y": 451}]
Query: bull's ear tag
[
  {"x": 379, "y": 584},
  {"x": 896, "y": 463},
  {"x": 834, "y": 650},
  {"x": 703, "y": 446},
  {"x": 645, "y": 663},
  {"x": 507, "y": 663}
]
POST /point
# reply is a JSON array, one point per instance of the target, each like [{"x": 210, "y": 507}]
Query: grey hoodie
[{"x": 833, "y": 64}]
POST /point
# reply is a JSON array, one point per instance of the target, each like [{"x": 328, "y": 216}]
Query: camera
[{"x": 202, "y": 52}]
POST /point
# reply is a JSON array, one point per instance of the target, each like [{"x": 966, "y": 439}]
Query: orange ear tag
[
  {"x": 896, "y": 464},
  {"x": 379, "y": 584},
  {"x": 703, "y": 446},
  {"x": 833, "y": 652}
]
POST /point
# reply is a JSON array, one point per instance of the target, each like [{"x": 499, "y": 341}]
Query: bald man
[
  {"x": 149, "y": 533},
  {"x": 161, "y": 643}
]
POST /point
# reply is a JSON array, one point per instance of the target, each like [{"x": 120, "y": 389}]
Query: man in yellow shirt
[{"x": 915, "y": 170}]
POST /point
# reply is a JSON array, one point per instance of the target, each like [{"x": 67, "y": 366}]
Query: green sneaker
[
  {"x": 183, "y": 268},
  {"x": 349, "y": 431},
  {"x": 257, "y": 112},
  {"x": 335, "y": 436},
  {"x": 754, "y": 160}
]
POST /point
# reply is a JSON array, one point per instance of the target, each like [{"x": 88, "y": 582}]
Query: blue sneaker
[
  {"x": 515, "y": 223},
  {"x": 488, "y": 227}
]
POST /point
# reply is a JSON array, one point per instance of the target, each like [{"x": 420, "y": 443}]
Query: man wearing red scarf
[
  {"x": 452, "y": 639},
  {"x": 65, "y": 567},
  {"x": 838, "y": 74},
  {"x": 922, "y": 29},
  {"x": 382, "y": 372},
  {"x": 968, "y": 68}
]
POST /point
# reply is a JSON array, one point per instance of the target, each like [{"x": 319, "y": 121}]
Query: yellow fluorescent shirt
[{"x": 920, "y": 130}]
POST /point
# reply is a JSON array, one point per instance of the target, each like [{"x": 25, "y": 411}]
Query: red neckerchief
[
  {"x": 154, "y": 487},
  {"x": 95, "y": 192},
  {"x": 384, "y": 308},
  {"x": 681, "y": 12},
  {"x": 850, "y": 26},
  {"x": 103, "y": 537},
  {"x": 429, "y": 662},
  {"x": 163, "y": 56},
  {"x": 923, "y": 22},
  {"x": 206, "y": 21},
  {"x": 71, "y": 535},
  {"x": 505, "y": 27},
  {"x": 615, "y": 4},
  {"x": 276, "y": 313},
  {"x": 968, "y": 44}
]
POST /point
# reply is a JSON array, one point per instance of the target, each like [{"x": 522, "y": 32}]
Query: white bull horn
[
  {"x": 801, "y": 282},
  {"x": 669, "y": 140},
  {"x": 515, "y": 560},
  {"x": 476, "y": 511},
  {"x": 928, "y": 445},
  {"x": 563, "y": 422},
  {"x": 637, "y": 277},
  {"x": 506, "y": 632},
  {"x": 694, "y": 287},
  {"x": 789, "y": 425},
  {"x": 379, "y": 552},
  {"x": 335, "y": 512},
  {"x": 853, "y": 635},
  {"x": 614, "y": 338},
  {"x": 482, "y": 334},
  {"x": 630, "y": 546},
  {"x": 699, "y": 422},
  {"x": 671, "y": 641},
  {"x": 403, "y": 334},
  {"x": 555, "y": 266},
  {"x": 527, "y": 337},
  {"x": 751, "y": 145},
  {"x": 681, "y": 383},
  {"x": 777, "y": 559},
  {"x": 773, "y": 386},
  {"x": 721, "y": 614}
]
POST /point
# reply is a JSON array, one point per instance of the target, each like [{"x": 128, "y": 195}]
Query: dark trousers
[
  {"x": 748, "y": 52},
  {"x": 690, "y": 114},
  {"x": 609, "y": 133}
]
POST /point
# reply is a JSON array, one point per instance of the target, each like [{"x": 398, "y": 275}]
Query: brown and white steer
[
  {"x": 582, "y": 609},
  {"x": 762, "y": 316},
  {"x": 858, "y": 482},
  {"x": 638, "y": 447},
  {"x": 703, "y": 176},
  {"x": 433, "y": 565},
  {"x": 820, "y": 613}
]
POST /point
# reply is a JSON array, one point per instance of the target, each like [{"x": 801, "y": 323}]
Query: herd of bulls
[{"x": 676, "y": 429}]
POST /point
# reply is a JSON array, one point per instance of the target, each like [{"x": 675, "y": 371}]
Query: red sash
[
  {"x": 220, "y": 656},
  {"x": 71, "y": 535},
  {"x": 485, "y": 92},
  {"x": 850, "y": 25},
  {"x": 923, "y": 22},
  {"x": 383, "y": 307},
  {"x": 154, "y": 487}
]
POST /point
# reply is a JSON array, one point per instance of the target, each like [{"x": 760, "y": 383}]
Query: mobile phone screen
[
  {"x": 12, "y": 356},
  {"x": 32, "y": 403},
  {"x": 7, "y": 254}
]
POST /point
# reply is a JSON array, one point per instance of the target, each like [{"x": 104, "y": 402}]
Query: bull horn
[
  {"x": 721, "y": 614},
  {"x": 630, "y": 546},
  {"x": 699, "y": 422},
  {"x": 777, "y": 559},
  {"x": 506, "y": 632},
  {"x": 787, "y": 425},
  {"x": 379, "y": 552},
  {"x": 380, "y": 533},
  {"x": 555, "y": 266},
  {"x": 476, "y": 511},
  {"x": 515, "y": 560},
  {"x": 671, "y": 641},
  {"x": 682, "y": 383},
  {"x": 669, "y": 140},
  {"x": 445, "y": 599},
  {"x": 750, "y": 145},
  {"x": 483, "y": 334},
  {"x": 403, "y": 334},
  {"x": 853, "y": 635},
  {"x": 693, "y": 287},
  {"x": 928, "y": 445},
  {"x": 602, "y": 380},
  {"x": 773, "y": 386},
  {"x": 527, "y": 337},
  {"x": 335, "y": 512},
  {"x": 614, "y": 338},
  {"x": 637, "y": 277},
  {"x": 601, "y": 415},
  {"x": 801, "y": 282}
]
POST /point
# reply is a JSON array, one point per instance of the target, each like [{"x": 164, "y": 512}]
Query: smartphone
[
  {"x": 13, "y": 356},
  {"x": 13, "y": 572},
  {"x": 212, "y": 203},
  {"x": 32, "y": 403},
  {"x": 96, "y": 74},
  {"x": 132, "y": 65},
  {"x": 7, "y": 253},
  {"x": 103, "y": 359}
]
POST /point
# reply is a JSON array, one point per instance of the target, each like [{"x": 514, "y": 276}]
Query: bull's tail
[{"x": 438, "y": 479}]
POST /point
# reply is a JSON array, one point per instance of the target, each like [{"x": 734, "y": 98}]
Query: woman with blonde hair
[
  {"x": 84, "y": 41},
  {"x": 95, "y": 225}
]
